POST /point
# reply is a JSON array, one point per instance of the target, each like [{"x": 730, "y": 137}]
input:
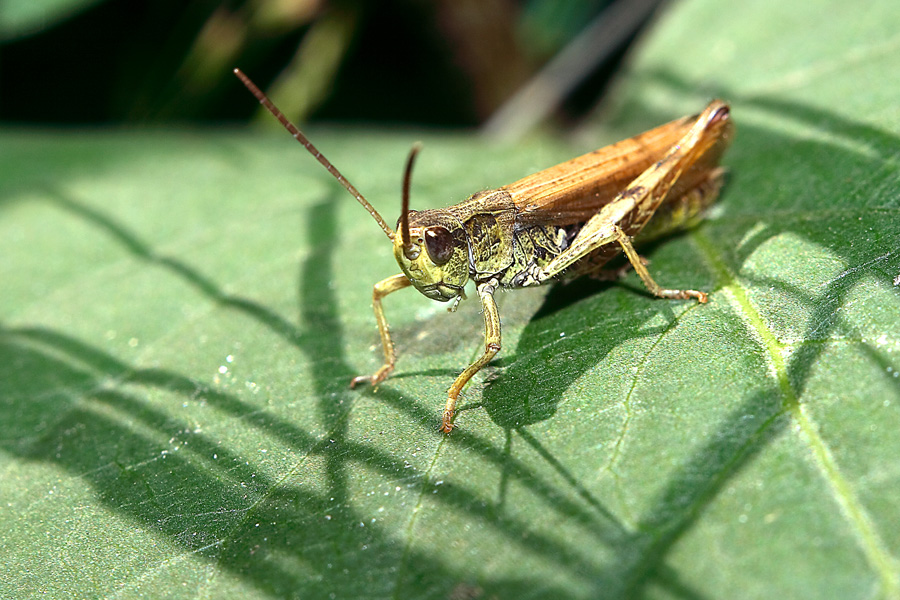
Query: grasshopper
[{"x": 562, "y": 222}]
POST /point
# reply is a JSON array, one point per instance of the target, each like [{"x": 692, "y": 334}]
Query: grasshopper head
[{"x": 436, "y": 260}]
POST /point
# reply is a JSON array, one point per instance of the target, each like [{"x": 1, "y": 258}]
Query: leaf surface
[{"x": 181, "y": 315}]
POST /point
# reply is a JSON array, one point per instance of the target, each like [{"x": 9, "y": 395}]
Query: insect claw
[
  {"x": 379, "y": 376},
  {"x": 702, "y": 297},
  {"x": 447, "y": 424},
  {"x": 360, "y": 379}
]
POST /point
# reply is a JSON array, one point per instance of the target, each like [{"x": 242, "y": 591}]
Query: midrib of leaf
[{"x": 873, "y": 547}]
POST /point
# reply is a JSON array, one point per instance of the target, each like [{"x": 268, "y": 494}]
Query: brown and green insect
[{"x": 563, "y": 222}]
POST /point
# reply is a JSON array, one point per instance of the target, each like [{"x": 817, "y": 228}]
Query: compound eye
[{"x": 439, "y": 244}]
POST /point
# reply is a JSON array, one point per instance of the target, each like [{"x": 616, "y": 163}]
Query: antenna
[
  {"x": 298, "y": 135},
  {"x": 404, "y": 211}
]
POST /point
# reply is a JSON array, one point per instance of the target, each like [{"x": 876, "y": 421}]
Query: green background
[{"x": 181, "y": 312}]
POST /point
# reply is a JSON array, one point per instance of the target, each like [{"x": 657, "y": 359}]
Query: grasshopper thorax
[{"x": 436, "y": 261}]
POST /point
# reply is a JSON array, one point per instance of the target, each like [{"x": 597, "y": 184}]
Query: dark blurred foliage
[{"x": 438, "y": 62}]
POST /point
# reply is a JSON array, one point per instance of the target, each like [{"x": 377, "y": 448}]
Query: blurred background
[{"x": 503, "y": 65}]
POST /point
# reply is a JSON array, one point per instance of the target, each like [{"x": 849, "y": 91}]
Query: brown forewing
[{"x": 573, "y": 191}]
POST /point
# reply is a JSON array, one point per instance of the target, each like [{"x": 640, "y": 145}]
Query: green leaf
[
  {"x": 181, "y": 315},
  {"x": 22, "y": 17}
]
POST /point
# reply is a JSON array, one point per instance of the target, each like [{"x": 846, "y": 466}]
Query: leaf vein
[{"x": 875, "y": 550}]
